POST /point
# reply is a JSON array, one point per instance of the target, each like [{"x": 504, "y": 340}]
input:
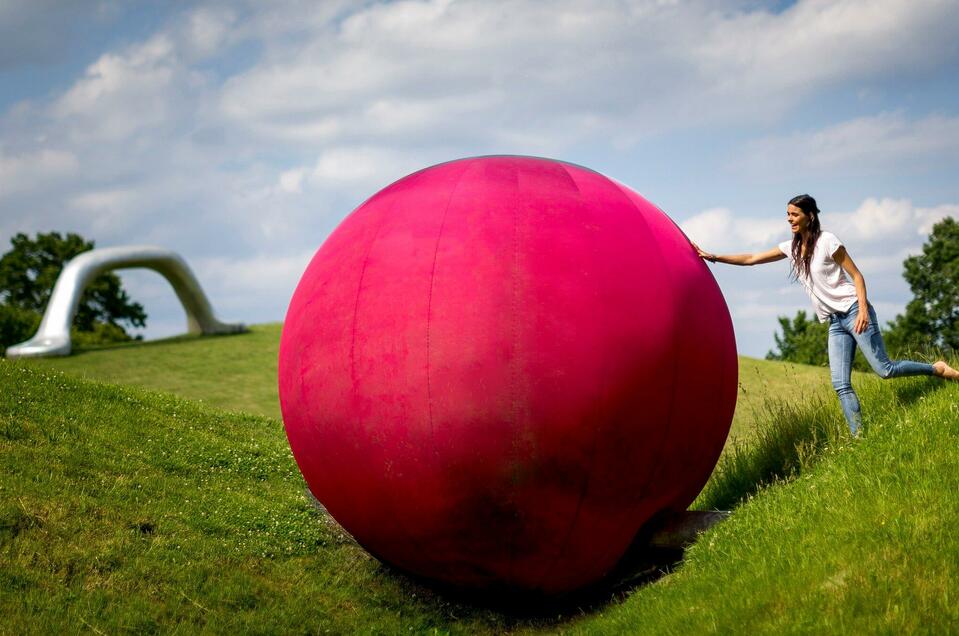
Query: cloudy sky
[{"x": 240, "y": 133}]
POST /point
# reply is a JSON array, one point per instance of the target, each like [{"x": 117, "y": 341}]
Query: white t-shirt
[{"x": 828, "y": 286}]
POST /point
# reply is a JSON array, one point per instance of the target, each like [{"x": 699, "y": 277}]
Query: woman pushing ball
[{"x": 824, "y": 268}]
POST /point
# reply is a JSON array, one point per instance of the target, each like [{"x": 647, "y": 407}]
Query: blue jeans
[{"x": 842, "y": 348}]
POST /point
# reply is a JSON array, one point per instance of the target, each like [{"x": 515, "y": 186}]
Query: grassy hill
[
  {"x": 127, "y": 509},
  {"x": 238, "y": 372},
  {"x": 235, "y": 372}
]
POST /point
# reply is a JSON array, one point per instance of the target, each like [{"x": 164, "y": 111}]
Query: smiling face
[{"x": 798, "y": 220}]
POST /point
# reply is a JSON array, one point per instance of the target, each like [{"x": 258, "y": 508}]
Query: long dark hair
[{"x": 808, "y": 205}]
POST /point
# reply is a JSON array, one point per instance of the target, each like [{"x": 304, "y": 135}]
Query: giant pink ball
[{"x": 497, "y": 369}]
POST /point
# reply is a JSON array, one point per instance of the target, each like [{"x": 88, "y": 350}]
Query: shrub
[{"x": 16, "y": 325}]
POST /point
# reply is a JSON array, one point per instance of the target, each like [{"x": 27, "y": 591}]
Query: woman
[{"x": 818, "y": 259}]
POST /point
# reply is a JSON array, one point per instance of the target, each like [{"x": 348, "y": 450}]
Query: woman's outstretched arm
[{"x": 769, "y": 256}]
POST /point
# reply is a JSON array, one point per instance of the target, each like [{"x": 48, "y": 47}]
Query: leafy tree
[
  {"x": 932, "y": 316},
  {"x": 806, "y": 341},
  {"x": 27, "y": 275},
  {"x": 803, "y": 340}
]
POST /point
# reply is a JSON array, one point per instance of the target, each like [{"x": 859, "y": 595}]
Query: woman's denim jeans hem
[{"x": 843, "y": 341}]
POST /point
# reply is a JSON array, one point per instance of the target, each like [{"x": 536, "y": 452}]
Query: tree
[
  {"x": 27, "y": 275},
  {"x": 932, "y": 316},
  {"x": 806, "y": 341},
  {"x": 16, "y": 325},
  {"x": 803, "y": 340}
]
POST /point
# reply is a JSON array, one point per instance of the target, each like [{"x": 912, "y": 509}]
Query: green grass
[
  {"x": 864, "y": 541},
  {"x": 123, "y": 509},
  {"x": 239, "y": 373},
  {"x": 235, "y": 372},
  {"x": 786, "y": 438}
]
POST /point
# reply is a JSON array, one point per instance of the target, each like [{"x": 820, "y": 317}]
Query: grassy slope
[
  {"x": 863, "y": 542},
  {"x": 236, "y": 372},
  {"x": 239, "y": 372},
  {"x": 128, "y": 510},
  {"x": 124, "y": 509}
]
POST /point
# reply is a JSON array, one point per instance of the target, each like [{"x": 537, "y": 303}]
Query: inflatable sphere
[{"x": 496, "y": 370}]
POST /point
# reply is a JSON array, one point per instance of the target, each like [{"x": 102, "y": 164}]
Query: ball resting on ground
[{"x": 496, "y": 370}]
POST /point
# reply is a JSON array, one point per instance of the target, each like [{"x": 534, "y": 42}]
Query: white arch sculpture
[{"x": 53, "y": 336}]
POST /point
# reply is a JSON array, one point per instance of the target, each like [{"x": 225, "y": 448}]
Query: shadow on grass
[
  {"x": 139, "y": 344},
  {"x": 513, "y": 607},
  {"x": 911, "y": 392}
]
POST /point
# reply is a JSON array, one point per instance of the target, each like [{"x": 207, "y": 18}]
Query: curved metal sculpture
[{"x": 53, "y": 336}]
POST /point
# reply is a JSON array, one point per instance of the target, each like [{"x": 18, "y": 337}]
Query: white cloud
[
  {"x": 374, "y": 167},
  {"x": 494, "y": 71},
  {"x": 765, "y": 313},
  {"x": 207, "y": 29},
  {"x": 719, "y": 230},
  {"x": 103, "y": 200},
  {"x": 747, "y": 303},
  {"x": 874, "y": 142},
  {"x": 884, "y": 262},
  {"x": 819, "y": 42},
  {"x": 347, "y": 164},
  {"x": 121, "y": 94},
  {"x": 889, "y": 220},
  {"x": 43, "y": 167},
  {"x": 107, "y": 212},
  {"x": 291, "y": 181},
  {"x": 269, "y": 278}
]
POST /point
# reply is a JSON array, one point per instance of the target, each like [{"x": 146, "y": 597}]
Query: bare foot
[{"x": 943, "y": 370}]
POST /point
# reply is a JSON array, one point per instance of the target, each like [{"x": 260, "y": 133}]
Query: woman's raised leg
[{"x": 874, "y": 350}]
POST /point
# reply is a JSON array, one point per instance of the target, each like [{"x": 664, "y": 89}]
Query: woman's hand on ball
[{"x": 705, "y": 255}]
